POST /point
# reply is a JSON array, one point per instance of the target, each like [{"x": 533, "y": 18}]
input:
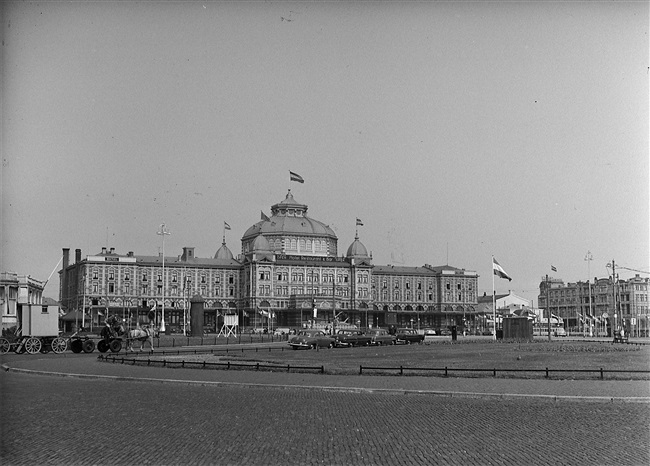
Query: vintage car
[
  {"x": 380, "y": 336},
  {"x": 408, "y": 336},
  {"x": 351, "y": 337},
  {"x": 311, "y": 339}
]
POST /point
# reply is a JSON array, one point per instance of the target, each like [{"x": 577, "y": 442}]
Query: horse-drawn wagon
[
  {"x": 113, "y": 337},
  {"x": 37, "y": 332}
]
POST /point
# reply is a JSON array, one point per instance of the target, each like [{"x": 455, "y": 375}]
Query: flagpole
[{"x": 494, "y": 305}]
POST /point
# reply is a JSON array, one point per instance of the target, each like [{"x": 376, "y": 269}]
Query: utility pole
[
  {"x": 589, "y": 258},
  {"x": 614, "y": 294},
  {"x": 163, "y": 231},
  {"x": 548, "y": 307}
]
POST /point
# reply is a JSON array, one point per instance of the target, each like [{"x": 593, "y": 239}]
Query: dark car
[
  {"x": 380, "y": 336},
  {"x": 408, "y": 336},
  {"x": 310, "y": 339},
  {"x": 351, "y": 337}
]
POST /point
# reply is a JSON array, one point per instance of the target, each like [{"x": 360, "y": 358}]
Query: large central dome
[{"x": 290, "y": 231}]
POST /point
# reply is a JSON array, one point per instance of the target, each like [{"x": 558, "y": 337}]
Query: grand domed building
[{"x": 289, "y": 274}]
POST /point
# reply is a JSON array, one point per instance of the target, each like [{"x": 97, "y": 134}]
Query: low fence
[
  {"x": 166, "y": 341},
  {"x": 446, "y": 370},
  {"x": 209, "y": 365}
]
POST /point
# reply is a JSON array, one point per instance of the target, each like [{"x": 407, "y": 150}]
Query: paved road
[{"x": 71, "y": 420}]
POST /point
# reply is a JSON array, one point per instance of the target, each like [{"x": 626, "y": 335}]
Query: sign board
[{"x": 633, "y": 320}]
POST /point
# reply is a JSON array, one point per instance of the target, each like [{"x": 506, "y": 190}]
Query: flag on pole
[
  {"x": 359, "y": 222},
  {"x": 296, "y": 177},
  {"x": 226, "y": 226},
  {"x": 553, "y": 268},
  {"x": 498, "y": 270},
  {"x": 264, "y": 216}
]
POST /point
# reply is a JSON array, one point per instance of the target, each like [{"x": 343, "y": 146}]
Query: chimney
[
  {"x": 103, "y": 250},
  {"x": 77, "y": 255},
  {"x": 66, "y": 258},
  {"x": 112, "y": 250},
  {"x": 130, "y": 254}
]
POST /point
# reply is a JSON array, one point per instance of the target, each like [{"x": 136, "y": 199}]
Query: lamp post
[
  {"x": 163, "y": 231},
  {"x": 589, "y": 258}
]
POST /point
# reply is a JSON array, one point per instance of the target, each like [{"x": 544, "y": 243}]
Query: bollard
[
  {"x": 446, "y": 371},
  {"x": 401, "y": 370},
  {"x": 601, "y": 374},
  {"x": 203, "y": 364},
  {"x": 360, "y": 370},
  {"x": 547, "y": 372}
]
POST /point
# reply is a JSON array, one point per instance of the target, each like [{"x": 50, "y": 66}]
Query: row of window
[
  {"x": 159, "y": 277},
  {"x": 173, "y": 291},
  {"x": 309, "y": 277}
]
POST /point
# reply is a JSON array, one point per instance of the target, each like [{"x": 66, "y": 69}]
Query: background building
[
  {"x": 613, "y": 303},
  {"x": 15, "y": 291},
  {"x": 289, "y": 273}
]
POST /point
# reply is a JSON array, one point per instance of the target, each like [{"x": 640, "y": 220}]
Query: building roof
[
  {"x": 357, "y": 249},
  {"x": 289, "y": 217}
]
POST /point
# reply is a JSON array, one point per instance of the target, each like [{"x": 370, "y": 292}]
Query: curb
[{"x": 362, "y": 390}]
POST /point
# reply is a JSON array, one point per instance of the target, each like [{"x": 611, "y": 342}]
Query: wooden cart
[{"x": 37, "y": 332}]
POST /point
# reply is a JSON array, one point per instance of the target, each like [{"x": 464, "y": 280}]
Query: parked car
[
  {"x": 380, "y": 336},
  {"x": 282, "y": 331},
  {"x": 408, "y": 336},
  {"x": 351, "y": 337},
  {"x": 310, "y": 339},
  {"x": 559, "y": 332}
]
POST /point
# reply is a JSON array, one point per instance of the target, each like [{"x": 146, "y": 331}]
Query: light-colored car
[
  {"x": 559, "y": 332},
  {"x": 282, "y": 331}
]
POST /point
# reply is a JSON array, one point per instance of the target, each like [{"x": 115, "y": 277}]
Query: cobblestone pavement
[{"x": 66, "y": 420}]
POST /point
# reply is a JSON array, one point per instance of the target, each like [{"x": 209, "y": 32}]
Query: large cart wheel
[
  {"x": 88, "y": 346},
  {"x": 115, "y": 345},
  {"x": 59, "y": 345},
  {"x": 76, "y": 346},
  {"x": 5, "y": 346},
  {"x": 102, "y": 346},
  {"x": 33, "y": 345}
]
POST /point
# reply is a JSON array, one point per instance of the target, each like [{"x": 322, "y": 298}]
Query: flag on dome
[
  {"x": 296, "y": 177},
  {"x": 553, "y": 268},
  {"x": 226, "y": 226},
  {"x": 264, "y": 216},
  {"x": 498, "y": 270},
  {"x": 359, "y": 222}
]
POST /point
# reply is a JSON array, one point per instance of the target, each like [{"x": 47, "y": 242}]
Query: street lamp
[
  {"x": 589, "y": 258},
  {"x": 163, "y": 231}
]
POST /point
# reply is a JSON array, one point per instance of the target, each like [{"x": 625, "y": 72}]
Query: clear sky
[{"x": 454, "y": 130}]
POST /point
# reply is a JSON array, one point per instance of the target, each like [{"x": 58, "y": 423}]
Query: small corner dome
[
  {"x": 261, "y": 244},
  {"x": 223, "y": 253},
  {"x": 357, "y": 249}
]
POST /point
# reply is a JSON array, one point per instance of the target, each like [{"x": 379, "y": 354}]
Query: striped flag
[
  {"x": 296, "y": 177},
  {"x": 553, "y": 268},
  {"x": 226, "y": 226},
  {"x": 359, "y": 222},
  {"x": 498, "y": 270}
]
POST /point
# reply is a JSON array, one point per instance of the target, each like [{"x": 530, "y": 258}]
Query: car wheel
[
  {"x": 312, "y": 346},
  {"x": 331, "y": 345}
]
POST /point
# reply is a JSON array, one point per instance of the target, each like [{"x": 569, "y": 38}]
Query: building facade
[
  {"x": 603, "y": 302},
  {"x": 15, "y": 291},
  {"x": 289, "y": 273}
]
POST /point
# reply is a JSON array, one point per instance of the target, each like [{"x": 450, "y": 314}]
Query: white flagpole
[{"x": 494, "y": 303}]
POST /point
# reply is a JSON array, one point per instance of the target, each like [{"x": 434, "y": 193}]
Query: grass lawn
[{"x": 485, "y": 355}]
